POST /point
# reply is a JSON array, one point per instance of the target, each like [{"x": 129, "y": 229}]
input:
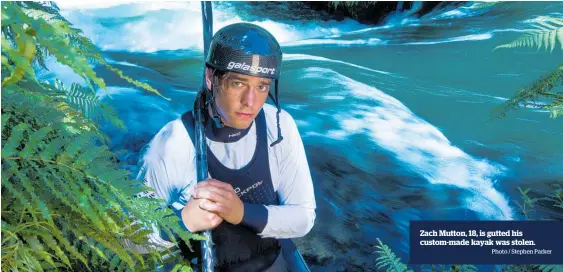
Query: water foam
[
  {"x": 472, "y": 37},
  {"x": 151, "y": 27},
  {"x": 418, "y": 144},
  {"x": 371, "y": 41},
  {"x": 291, "y": 57}
]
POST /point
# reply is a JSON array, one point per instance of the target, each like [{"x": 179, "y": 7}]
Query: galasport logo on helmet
[{"x": 252, "y": 69}]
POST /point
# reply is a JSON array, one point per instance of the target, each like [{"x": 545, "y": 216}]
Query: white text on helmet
[{"x": 252, "y": 69}]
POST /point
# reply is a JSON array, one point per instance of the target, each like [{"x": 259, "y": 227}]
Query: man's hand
[
  {"x": 220, "y": 198},
  {"x": 197, "y": 219}
]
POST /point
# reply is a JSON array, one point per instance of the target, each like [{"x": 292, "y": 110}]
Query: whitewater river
[{"x": 394, "y": 117}]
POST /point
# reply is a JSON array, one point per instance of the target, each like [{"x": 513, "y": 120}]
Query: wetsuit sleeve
[{"x": 296, "y": 215}]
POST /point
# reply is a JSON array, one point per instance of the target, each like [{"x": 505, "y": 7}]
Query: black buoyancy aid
[{"x": 237, "y": 247}]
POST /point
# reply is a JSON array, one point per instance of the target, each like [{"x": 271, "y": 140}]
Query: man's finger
[
  {"x": 212, "y": 193},
  {"x": 213, "y": 207},
  {"x": 217, "y": 183}
]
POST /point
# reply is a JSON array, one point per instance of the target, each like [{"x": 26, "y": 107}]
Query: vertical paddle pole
[{"x": 208, "y": 255}]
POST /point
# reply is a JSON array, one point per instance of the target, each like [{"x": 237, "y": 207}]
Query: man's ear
[{"x": 208, "y": 77}]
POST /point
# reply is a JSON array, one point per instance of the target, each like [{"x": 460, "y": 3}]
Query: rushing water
[{"x": 395, "y": 117}]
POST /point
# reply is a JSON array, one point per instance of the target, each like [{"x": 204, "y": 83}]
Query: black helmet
[{"x": 247, "y": 49}]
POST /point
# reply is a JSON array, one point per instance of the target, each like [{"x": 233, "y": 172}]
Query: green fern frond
[
  {"x": 181, "y": 267},
  {"x": 547, "y": 32},
  {"x": 556, "y": 196},
  {"x": 83, "y": 100},
  {"x": 388, "y": 259},
  {"x": 10, "y": 148},
  {"x": 550, "y": 268},
  {"x": 22, "y": 56},
  {"x": 56, "y": 38},
  {"x": 539, "y": 89},
  {"x": 137, "y": 83},
  {"x": 66, "y": 204}
]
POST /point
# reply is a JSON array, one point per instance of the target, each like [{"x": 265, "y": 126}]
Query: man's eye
[
  {"x": 236, "y": 84},
  {"x": 264, "y": 88}
]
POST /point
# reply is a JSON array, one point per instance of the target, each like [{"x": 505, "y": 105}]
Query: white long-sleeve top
[{"x": 169, "y": 167}]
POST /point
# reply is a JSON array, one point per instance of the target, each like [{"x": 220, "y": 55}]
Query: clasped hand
[{"x": 212, "y": 202}]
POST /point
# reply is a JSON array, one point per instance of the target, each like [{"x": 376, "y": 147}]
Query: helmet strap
[{"x": 277, "y": 103}]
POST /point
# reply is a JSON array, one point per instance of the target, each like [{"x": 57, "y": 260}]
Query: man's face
[{"x": 240, "y": 98}]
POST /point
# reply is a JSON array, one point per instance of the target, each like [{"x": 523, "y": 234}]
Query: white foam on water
[
  {"x": 371, "y": 41},
  {"x": 418, "y": 144},
  {"x": 155, "y": 26},
  {"x": 292, "y": 57},
  {"x": 472, "y": 37}
]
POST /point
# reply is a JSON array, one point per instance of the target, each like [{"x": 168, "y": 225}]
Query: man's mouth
[{"x": 244, "y": 115}]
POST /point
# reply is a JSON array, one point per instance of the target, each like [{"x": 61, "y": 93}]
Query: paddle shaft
[{"x": 207, "y": 251}]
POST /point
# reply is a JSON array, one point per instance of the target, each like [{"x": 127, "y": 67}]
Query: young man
[{"x": 260, "y": 190}]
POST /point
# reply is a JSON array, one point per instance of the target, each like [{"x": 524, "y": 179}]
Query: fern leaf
[
  {"x": 388, "y": 259},
  {"x": 110, "y": 115},
  {"x": 5, "y": 118},
  {"x": 88, "y": 156},
  {"x": 96, "y": 249},
  {"x": 22, "y": 57},
  {"x": 68, "y": 247},
  {"x": 71, "y": 151},
  {"x": 177, "y": 267},
  {"x": 86, "y": 102},
  {"x": 113, "y": 245},
  {"x": 547, "y": 31},
  {"x": 34, "y": 198},
  {"x": 115, "y": 262},
  {"x": 83, "y": 100},
  {"x": 16, "y": 137},
  {"x": 34, "y": 142},
  {"x": 30, "y": 260},
  {"x": 137, "y": 83},
  {"x": 17, "y": 194},
  {"x": 550, "y": 268},
  {"x": 39, "y": 250},
  {"x": 51, "y": 243}
]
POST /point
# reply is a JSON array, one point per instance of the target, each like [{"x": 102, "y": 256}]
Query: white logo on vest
[{"x": 254, "y": 186}]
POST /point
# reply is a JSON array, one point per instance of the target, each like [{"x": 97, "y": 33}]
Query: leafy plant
[
  {"x": 528, "y": 203},
  {"x": 66, "y": 204},
  {"x": 450, "y": 268},
  {"x": 539, "y": 94},
  {"x": 547, "y": 31},
  {"x": 387, "y": 259},
  {"x": 556, "y": 197}
]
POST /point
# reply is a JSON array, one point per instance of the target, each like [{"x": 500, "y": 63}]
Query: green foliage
[
  {"x": 528, "y": 204},
  {"x": 66, "y": 204},
  {"x": 32, "y": 31},
  {"x": 387, "y": 259},
  {"x": 534, "y": 268},
  {"x": 547, "y": 31},
  {"x": 556, "y": 197},
  {"x": 449, "y": 268},
  {"x": 539, "y": 94}
]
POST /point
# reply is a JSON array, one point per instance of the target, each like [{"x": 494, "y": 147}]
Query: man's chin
[{"x": 244, "y": 125}]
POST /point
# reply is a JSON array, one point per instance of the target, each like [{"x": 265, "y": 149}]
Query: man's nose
[{"x": 248, "y": 97}]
